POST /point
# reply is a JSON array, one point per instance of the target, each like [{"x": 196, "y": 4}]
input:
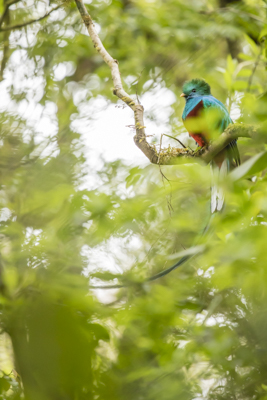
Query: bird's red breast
[{"x": 200, "y": 137}]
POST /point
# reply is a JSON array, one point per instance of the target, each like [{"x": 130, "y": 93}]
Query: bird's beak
[{"x": 182, "y": 95}]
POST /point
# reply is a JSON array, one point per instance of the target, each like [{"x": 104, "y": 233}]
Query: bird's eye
[{"x": 194, "y": 90}]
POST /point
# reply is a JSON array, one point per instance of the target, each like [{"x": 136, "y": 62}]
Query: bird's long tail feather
[
  {"x": 218, "y": 172},
  {"x": 217, "y": 176}
]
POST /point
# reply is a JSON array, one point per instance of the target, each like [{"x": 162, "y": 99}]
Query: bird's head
[{"x": 195, "y": 88}]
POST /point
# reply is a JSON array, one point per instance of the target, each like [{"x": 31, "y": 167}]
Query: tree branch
[
  {"x": 10, "y": 3},
  {"x": 32, "y": 21},
  {"x": 111, "y": 62},
  {"x": 232, "y": 132},
  {"x": 7, "y": 5},
  {"x": 140, "y": 137},
  {"x": 171, "y": 155},
  {"x": 5, "y": 54},
  {"x": 5, "y": 17}
]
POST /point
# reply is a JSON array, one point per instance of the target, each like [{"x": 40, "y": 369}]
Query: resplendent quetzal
[{"x": 205, "y": 118}]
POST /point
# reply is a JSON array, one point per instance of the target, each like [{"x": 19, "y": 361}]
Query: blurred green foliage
[{"x": 198, "y": 333}]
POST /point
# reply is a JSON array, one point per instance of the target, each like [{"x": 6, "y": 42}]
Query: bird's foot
[{"x": 199, "y": 150}]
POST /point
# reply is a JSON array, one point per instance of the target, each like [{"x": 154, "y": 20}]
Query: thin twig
[
  {"x": 254, "y": 70},
  {"x": 13, "y": 27},
  {"x": 175, "y": 139},
  {"x": 10, "y": 3},
  {"x": 137, "y": 83}
]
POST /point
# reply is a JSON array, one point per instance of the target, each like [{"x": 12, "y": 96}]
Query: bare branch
[
  {"x": 32, "y": 21},
  {"x": 177, "y": 140},
  {"x": 254, "y": 69},
  {"x": 140, "y": 137},
  {"x": 111, "y": 62}
]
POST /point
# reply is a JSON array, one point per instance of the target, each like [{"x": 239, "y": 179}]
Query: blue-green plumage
[
  {"x": 209, "y": 102},
  {"x": 205, "y": 117}
]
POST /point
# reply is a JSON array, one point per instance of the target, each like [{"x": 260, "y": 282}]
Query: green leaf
[
  {"x": 240, "y": 85},
  {"x": 132, "y": 179},
  {"x": 228, "y": 80},
  {"x": 263, "y": 33},
  {"x": 250, "y": 167},
  {"x": 4, "y": 384},
  {"x": 246, "y": 57},
  {"x": 99, "y": 332},
  {"x": 244, "y": 73},
  {"x": 231, "y": 64},
  {"x": 255, "y": 49}
]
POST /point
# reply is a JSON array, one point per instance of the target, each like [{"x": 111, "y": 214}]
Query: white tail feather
[{"x": 217, "y": 196}]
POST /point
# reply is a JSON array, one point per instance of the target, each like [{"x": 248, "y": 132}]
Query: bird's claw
[{"x": 199, "y": 150}]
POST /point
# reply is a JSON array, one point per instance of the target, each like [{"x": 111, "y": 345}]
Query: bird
[{"x": 205, "y": 117}]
